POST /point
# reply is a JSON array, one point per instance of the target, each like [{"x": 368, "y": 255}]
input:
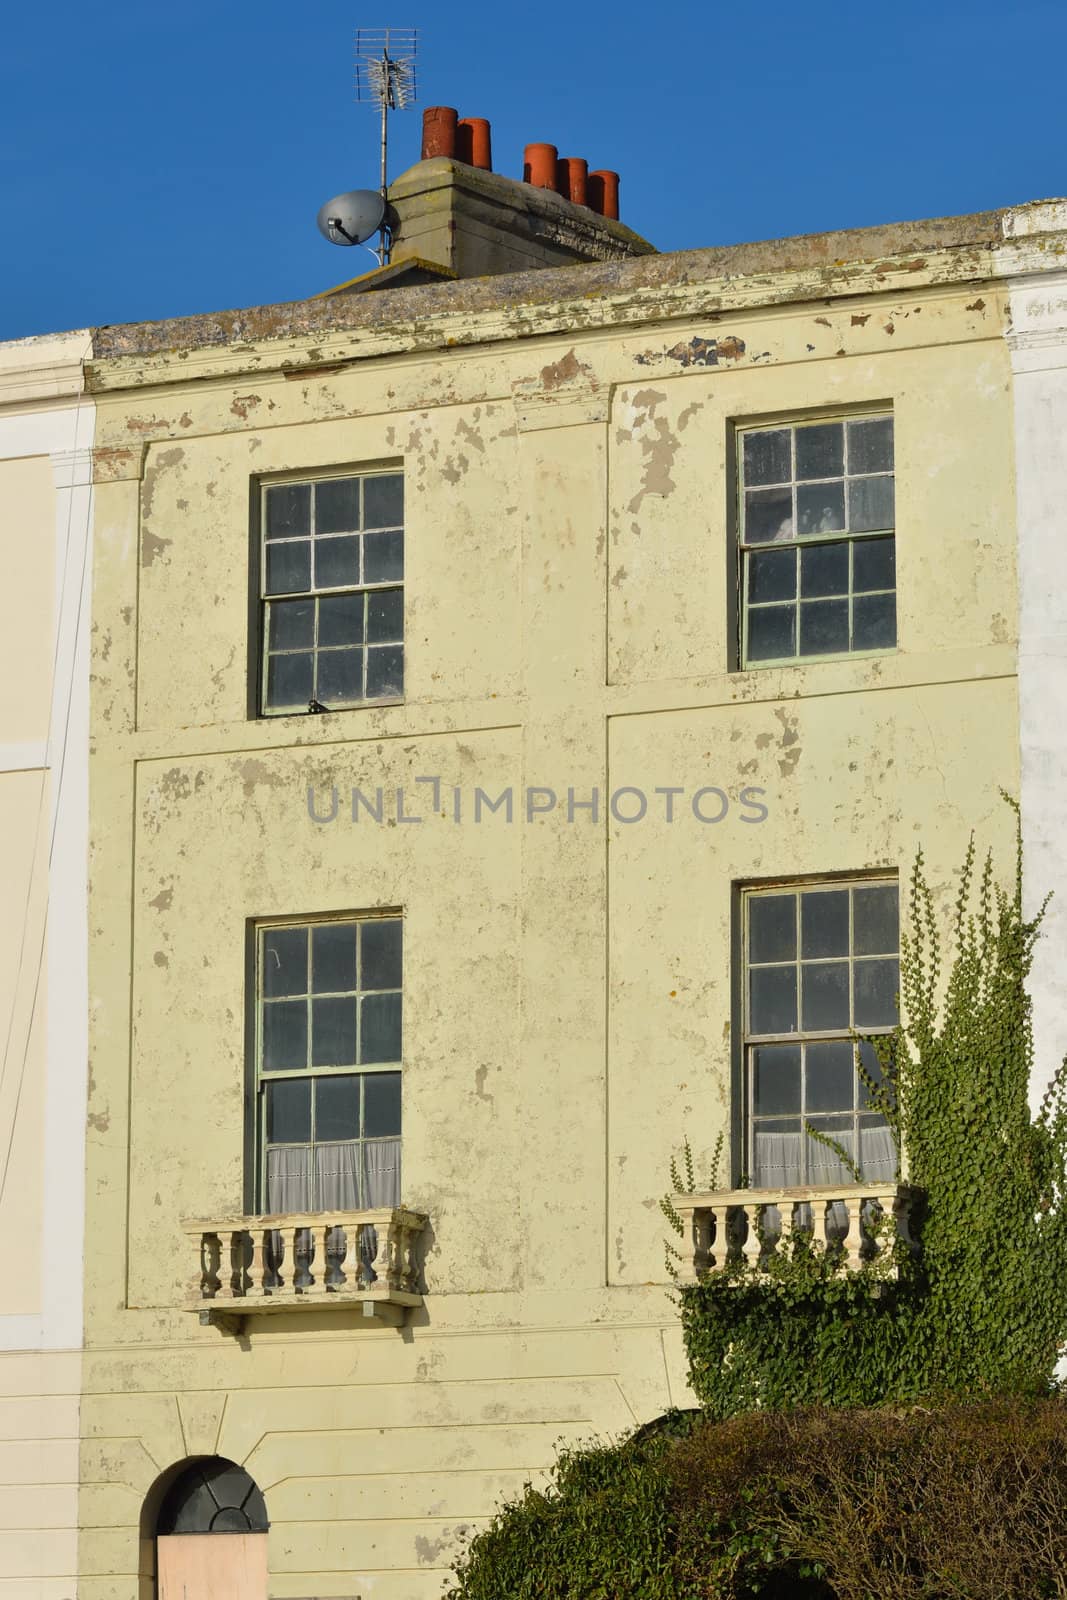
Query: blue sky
[{"x": 159, "y": 161}]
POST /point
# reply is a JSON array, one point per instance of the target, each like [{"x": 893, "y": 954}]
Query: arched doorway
[{"x": 210, "y": 1498}]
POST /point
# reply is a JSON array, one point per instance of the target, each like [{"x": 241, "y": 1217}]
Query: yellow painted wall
[{"x": 567, "y": 985}]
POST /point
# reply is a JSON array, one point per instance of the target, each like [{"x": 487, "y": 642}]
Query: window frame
[
  {"x": 256, "y": 1144},
  {"x": 259, "y": 601},
  {"x": 738, "y": 619}
]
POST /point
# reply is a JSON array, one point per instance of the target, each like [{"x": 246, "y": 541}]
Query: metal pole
[{"x": 383, "y": 249}]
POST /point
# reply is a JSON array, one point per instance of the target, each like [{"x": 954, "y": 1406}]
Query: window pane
[
  {"x": 824, "y": 569},
  {"x": 771, "y": 633},
  {"x": 768, "y": 515},
  {"x": 333, "y": 958},
  {"x": 823, "y": 627},
  {"x": 291, "y": 625},
  {"x": 820, "y": 508},
  {"x": 876, "y": 920},
  {"x": 333, "y": 1033},
  {"x": 340, "y": 676},
  {"x": 824, "y": 923},
  {"x": 766, "y": 457},
  {"x": 337, "y": 506},
  {"x": 341, "y": 619},
  {"x": 285, "y": 1035},
  {"x": 385, "y": 616},
  {"x": 821, "y": 450},
  {"x": 380, "y": 1017},
  {"x": 772, "y": 575},
  {"x": 874, "y": 564},
  {"x": 381, "y": 954},
  {"x": 773, "y": 1000},
  {"x": 336, "y": 562},
  {"x": 878, "y": 1153},
  {"x": 874, "y": 622},
  {"x": 772, "y": 927},
  {"x": 873, "y": 1068},
  {"x": 336, "y": 1109},
  {"x": 383, "y": 557},
  {"x": 289, "y": 680},
  {"x": 776, "y": 1079},
  {"x": 385, "y": 672},
  {"x": 381, "y": 1105},
  {"x": 870, "y": 504},
  {"x": 824, "y": 1167},
  {"x": 288, "y": 510},
  {"x": 870, "y": 445},
  {"x": 829, "y": 1076},
  {"x": 288, "y": 567},
  {"x": 383, "y": 501},
  {"x": 825, "y": 996},
  {"x": 289, "y": 1111},
  {"x": 876, "y": 984},
  {"x": 285, "y": 961}
]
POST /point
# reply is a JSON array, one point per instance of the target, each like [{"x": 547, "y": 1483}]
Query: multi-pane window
[
  {"x": 821, "y": 963},
  {"x": 817, "y": 546},
  {"x": 331, "y": 575},
  {"x": 328, "y": 1049}
]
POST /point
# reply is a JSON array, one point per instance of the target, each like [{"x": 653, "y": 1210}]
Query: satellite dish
[{"x": 350, "y": 218}]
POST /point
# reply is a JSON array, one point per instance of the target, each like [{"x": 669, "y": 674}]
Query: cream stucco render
[{"x": 568, "y": 984}]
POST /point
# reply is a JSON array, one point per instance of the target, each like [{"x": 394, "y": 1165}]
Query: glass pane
[
  {"x": 385, "y": 672},
  {"x": 824, "y": 923},
  {"x": 768, "y": 516},
  {"x": 381, "y": 1105},
  {"x": 772, "y": 927},
  {"x": 876, "y": 985},
  {"x": 776, "y": 1079},
  {"x": 873, "y": 1068},
  {"x": 383, "y": 557},
  {"x": 766, "y": 457},
  {"x": 341, "y": 619},
  {"x": 878, "y": 1153},
  {"x": 825, "y": 991},
  {"x": 285, "y": 1035},
  {"x": 771, "y": 633},
  {"x": 772, "y": 575},
  {"x": 333, "y": 958},
  {"x": 382, "y": 959},
  {"x": 380, "y": 1019},
  {"x": 829, "y": 1076},
  {"x": 289, "y": 1111},
  {"x": 383, "y": 501},
  {"x": 291, "y": 625},
  {"x": 821, "y": 450},
  {"x": 824, "y": 1167},
  {"x": 823, "y": 627},
  {"x": 874, "y": 564},
  {"x": 870, "y": 504},
  {"x": 285, "y": 961},
  {"x": 820, "y": 508},
  {"x": 336, "y": 562},
  {"x": 337, "y": 506},
  {"x": 874, "y": 622},
  {"x": 385, "y": 616},
  {"x": 340, "y": 676},
  {"x": 870, "y": 445},
  {"x": 336, "y": 1109},
  {"x": 876, "y": 920},
  {"x": 773, "y": 1000},
  {"x": 288, "y": 567},
  {"x": 824, "y": 569},
  {"x": 288, "y": 510},
  {"x": 289, "y": 680},
  {"x": 333, "y": 1033}
]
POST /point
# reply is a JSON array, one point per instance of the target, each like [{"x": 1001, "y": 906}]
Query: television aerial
[{"x": 385, "y": 77}]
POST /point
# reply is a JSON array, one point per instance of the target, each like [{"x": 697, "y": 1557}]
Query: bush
[{"x": 959, "y": 1502}]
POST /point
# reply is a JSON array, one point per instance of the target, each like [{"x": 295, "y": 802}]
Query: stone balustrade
[
  {"x": 749, "y": 1226},
  {"x": 282, "y": 1263}
]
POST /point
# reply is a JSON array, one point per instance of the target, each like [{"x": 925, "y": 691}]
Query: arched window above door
[{"x": 213, "y": 1496}]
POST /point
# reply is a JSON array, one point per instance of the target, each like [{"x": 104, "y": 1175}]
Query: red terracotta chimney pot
[
  {"x": 438, "y": 132},
  {"x": 571, "y": 175},
  {"x": 473, "y": 143},
  {"x": 603, "y": 191},
  {"x": 539, "y": 165}
]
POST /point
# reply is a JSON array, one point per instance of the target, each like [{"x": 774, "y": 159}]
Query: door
[{"x": 212, "y": 1566}]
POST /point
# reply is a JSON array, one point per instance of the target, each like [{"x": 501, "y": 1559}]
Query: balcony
[
  {"x": 255, "y": 1265},
  {"x": 748, "y": 1227}
]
